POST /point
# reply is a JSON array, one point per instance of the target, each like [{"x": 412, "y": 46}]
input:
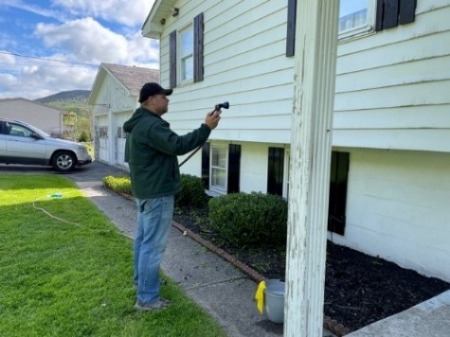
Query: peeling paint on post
[{"x": 316, "y": 35}]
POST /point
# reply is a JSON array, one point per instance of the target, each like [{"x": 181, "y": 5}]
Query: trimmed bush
[
  {"x": 118, "y": 184},
  {"x": 251, "y": 220},
  {"x": 192, "y": 192}
]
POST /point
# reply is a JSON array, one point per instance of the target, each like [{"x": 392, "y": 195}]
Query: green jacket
[{"x": 151, "y": 150}]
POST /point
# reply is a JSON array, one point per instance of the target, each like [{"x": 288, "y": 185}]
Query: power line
[{"x": 48, "y": 60}]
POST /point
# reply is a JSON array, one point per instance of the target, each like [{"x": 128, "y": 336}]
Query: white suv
[{"x": 21, "y": 143}]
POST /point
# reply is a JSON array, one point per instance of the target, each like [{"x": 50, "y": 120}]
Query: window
[
  {"x": 19, "y": 130},
  {"x": 359, "y": 16},
  {"x": 187, "y": 54},
  {"x": 120, "y": 133},
  {"x": 103, "y": 131},
  {"x": 356, "y": 16},
  {"x": 221, "y": 167},
  {"x": 219, "y": 164},
  {"x": 186, "y": 58}
]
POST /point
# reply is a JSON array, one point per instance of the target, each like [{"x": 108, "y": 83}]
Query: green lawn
[{"x": 66, "y": 271}]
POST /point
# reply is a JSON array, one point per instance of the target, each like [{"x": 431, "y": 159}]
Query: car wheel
[{"x": 64, "y": 161}]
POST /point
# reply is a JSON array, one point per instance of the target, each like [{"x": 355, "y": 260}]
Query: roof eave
[
  {"x": 153, "y": 25},
  {"x": 152, "y": 30},
  {"x": 94, "y": 89}
]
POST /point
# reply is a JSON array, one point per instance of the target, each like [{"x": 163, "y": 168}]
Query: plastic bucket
[{"x": 274, "y": 300}]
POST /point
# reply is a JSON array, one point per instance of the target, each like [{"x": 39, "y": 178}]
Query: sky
[{"x": 49, "y": 46}]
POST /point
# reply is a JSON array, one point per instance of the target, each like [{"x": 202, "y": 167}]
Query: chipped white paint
[{"x": 316, "y": 43}]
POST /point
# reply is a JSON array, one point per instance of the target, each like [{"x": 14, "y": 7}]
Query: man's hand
[{"x": 212, "y": 119}]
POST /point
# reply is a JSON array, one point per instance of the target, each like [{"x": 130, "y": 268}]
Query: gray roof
[{"x": 132, "y": 77}]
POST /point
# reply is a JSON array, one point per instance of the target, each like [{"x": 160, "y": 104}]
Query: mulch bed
[{"x": 359, "y": 289}]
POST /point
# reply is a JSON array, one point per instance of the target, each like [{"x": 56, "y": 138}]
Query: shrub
[
  {"x": 251, "y": 220},
  {"x": 83, "y": 137},
  {"x": 192, "y": 192},
  {"x": 118, "y": 184}
]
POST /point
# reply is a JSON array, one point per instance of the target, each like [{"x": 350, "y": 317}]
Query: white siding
[
  {"x": 113, "y": 106},
  {"x": 244, "y": 63},
  {"x": 397, "y": 208},
  {"x": 254, "y": 164},
  {"x": 392, "y": 87},
  {"x": 391, "y": 90}
]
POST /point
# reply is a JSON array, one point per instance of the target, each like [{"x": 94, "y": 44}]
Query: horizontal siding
[
  {"x": 392, "y": 87},
  {"x": 387, "y": 82},
  {"x": 421, "y": 139},
  {"x": 244, "y": 64},
  {"x": 416, "y": 117},
  {"x": 431, "y": 18},
  {"x": 408, "y": 94},
  {"x": 424, "y": 70}
]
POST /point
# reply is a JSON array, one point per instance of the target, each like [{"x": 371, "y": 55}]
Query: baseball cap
[{"x": 151, "y": 89}]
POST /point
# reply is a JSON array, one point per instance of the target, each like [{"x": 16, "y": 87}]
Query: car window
[
  {"x": 4, "y": 128},
  {"x": 19, "y": 130}
]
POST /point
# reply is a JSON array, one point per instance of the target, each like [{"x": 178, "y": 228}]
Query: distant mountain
[
  {"x": 64, "y": 96},
  {"x": 70, "y": 101}
]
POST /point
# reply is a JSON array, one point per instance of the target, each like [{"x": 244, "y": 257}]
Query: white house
[
  {"x": 390, "y": 172},
  {"x": 44, "y": 117},
  {"x": 114, "y": 97}
]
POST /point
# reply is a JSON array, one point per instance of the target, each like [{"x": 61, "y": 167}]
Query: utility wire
[{"x": 47, "y": 59}]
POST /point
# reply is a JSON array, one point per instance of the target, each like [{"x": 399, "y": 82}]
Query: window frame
[
  {"x": 176, "y": 68},
  {"x": 182, "y": 74},
  {"x": 367, "y": 28},
  {"x": 218, "y": 188}
]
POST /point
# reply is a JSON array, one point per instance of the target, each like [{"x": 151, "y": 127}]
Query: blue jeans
[{"x": 154, "y": 219}]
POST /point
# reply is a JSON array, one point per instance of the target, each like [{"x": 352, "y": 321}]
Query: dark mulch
[{"x": 359, "y": 289}]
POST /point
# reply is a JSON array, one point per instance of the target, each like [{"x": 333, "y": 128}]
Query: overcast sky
[{"x": 48, "y": 46}]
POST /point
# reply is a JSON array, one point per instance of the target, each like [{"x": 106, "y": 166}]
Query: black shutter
[
  {"x": 234, "y": 165},
  {"x": 205, "y": 165},
  {"x": 173, "y": 59},
  {"x": 275, "y": 172},
  {"x": 338, "y": 191},
  {"x": 407, "y": 11},
  {"x": 379, "y": 18},
  {"x": 291, "y": 23},
  {"x": 198, "y": 48},
  {"x": 391, "y": 13}
]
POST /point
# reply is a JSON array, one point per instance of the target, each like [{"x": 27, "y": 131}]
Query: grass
[{"x": 66, "y": 271}]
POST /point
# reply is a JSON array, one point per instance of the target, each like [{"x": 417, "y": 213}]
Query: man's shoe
[{"x": 158, "y": 305}]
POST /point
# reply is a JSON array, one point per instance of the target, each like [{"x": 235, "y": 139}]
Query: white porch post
[{"x": 315, "y": 54}]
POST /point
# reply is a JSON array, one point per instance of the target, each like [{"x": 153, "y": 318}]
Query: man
[{"x": 151, "y": 151}]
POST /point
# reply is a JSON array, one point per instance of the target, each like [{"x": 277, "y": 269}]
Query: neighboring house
[
  {"x": 42, "y": 116},
  {"x": 390, "y": 171},
  {"x": 114, "y": 97}
]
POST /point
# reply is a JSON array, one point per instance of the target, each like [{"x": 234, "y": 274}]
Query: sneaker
[{"x": 158, "y": 305}]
